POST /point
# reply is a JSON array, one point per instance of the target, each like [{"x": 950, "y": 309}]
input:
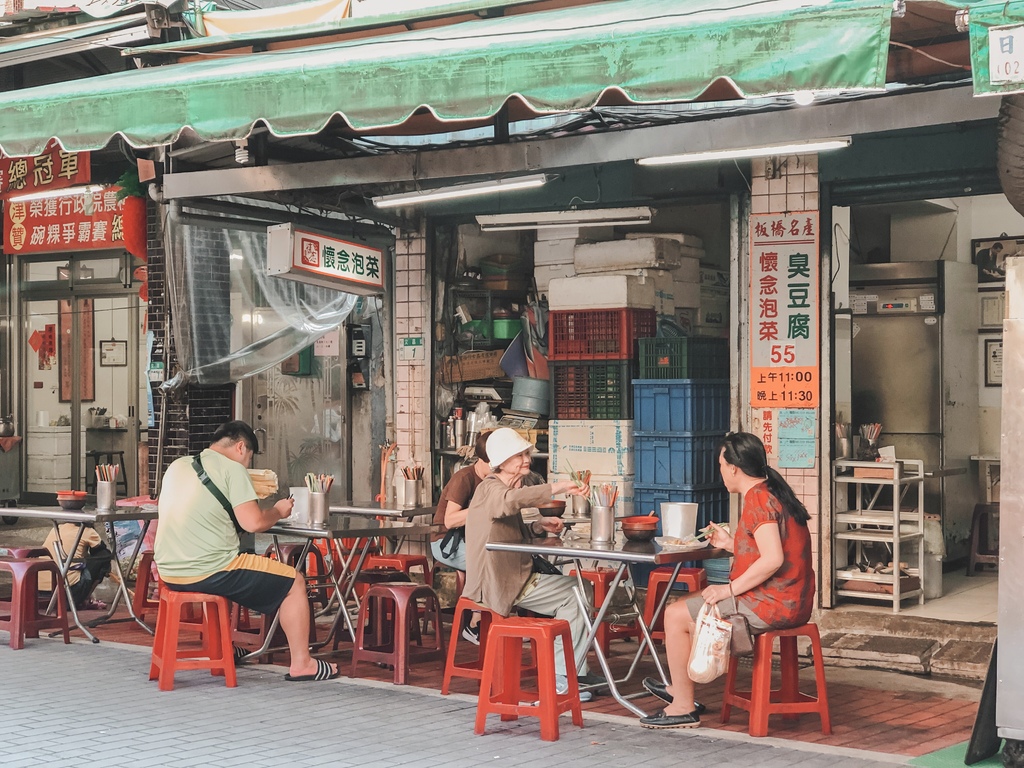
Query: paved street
[{"x": 65, "y": 704}]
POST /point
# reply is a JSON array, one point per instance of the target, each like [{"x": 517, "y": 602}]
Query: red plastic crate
[{"x": 598, "y": 334}]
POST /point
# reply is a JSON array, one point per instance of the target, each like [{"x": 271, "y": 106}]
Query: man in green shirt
[{"x": 196, "y": 548}]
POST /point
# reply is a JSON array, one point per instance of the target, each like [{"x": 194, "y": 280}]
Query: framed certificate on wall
[{"x": 113, "y": 353}]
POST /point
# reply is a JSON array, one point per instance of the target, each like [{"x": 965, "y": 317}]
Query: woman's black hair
[{"x": 746, "y": 452}]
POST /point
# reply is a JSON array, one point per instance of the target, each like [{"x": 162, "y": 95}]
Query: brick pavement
[{"x": 65, "y": 704}]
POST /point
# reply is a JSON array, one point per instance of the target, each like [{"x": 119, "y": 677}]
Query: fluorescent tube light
[
  {"x": 64, "y": 192},
  {"x": 794, "y": 148},
  {"x": 598, "y": 217},
  {"x": 460, "y": 190}
]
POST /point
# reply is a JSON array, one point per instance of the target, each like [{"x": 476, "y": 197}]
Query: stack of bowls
[{"x": 640, "y": 528}]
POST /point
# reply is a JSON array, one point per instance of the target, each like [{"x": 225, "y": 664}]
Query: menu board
[{"x": 784, "y": 310}]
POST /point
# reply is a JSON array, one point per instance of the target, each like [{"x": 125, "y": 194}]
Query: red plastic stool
[
  {"x": 762, "y": 701},
  {"x": 23, "y": 553},
  {"x": 695, "y": 579},
  {"x": 314, "y": 569},
  {"x": 24, "y": 618},
  {"x": 215, "y": 654},
  {"x": 464, "y": 608},
  {"x": 400, "y": 562},
  {"x": 501, "y": 690},
  {"x": 601, "y": 578},
  {"x": 145, "y": 581},
  {"x": 391, "y": 610}
]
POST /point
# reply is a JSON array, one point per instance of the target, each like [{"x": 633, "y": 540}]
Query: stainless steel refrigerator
[{"x": 914, "y": 370}]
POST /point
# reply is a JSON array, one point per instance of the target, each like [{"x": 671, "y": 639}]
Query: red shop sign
[
  {"x": 54, "y": 169},
  {"x": 73, "y": 222}
]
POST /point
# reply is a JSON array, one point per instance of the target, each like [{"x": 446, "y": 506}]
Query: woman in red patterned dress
[{"x": 771, "y": 577}]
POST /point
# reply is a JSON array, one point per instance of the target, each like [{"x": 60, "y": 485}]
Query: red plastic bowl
[{"x": 643, "y": 522}]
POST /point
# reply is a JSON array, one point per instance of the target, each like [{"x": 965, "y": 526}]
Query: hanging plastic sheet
[{"x": 230, "y": 319}]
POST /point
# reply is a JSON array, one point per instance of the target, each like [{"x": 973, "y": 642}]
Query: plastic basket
[
  {"x": 682, "y": 405},
  {"x": 677, "y": 459},
  {"x": 598, "y": 334},
  {"x": 686, "y": 357},
  {"x": 589, "y": 390}
]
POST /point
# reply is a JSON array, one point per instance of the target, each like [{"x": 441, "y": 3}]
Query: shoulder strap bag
[
  {"x": 197, "y": 465},
  {"x": 742, "y": 638}
]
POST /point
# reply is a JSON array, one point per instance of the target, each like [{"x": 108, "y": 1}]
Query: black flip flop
[{"x": 323, "y": 672}]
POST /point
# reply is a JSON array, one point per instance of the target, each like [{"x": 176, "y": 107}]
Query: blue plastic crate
[
  {"x": 681, "y": 405},
  {"x": 712, "y": 501},
  {"x": 676, "y": 459}
]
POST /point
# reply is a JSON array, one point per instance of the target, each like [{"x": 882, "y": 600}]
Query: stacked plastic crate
[
  {"x": 681, "y": 408},
  {"x": 593, "y": 361}
]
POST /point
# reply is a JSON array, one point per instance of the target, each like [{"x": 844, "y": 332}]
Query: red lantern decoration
[{"x": 133, "y": 224}]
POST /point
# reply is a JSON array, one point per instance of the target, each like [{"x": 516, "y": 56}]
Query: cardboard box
[
  {"x": 687, "y": 294},
  {"x": 624, "y": 502},
  {"x": 470, "y": 366},
  {"x": 612, "y": 255},
  {"x": 714, "y": 278},
  {"x": 881, "y": 471},
  {"x": 605, "y": 447},
  {"x": 602, "y": 292}
]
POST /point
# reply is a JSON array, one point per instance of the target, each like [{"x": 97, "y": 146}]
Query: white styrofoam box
[
  {"x": 604, "y": 446},
  {"x": 714, "y": 278},
  {"x": 650, "y": 252},
  {"x": 553, "y": 252},
  {"x": 545, "y": 273},
  {"x": 601, "y": 292},
  {"x": 49, "y": 441},
  {"x": 687, "y": 294},
  {"x": 624, "y": 501},
  {"x": 558, "y": 233},
  {"x": 691, "y": 241}
]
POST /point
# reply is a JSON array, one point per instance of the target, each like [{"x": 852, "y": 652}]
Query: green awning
[
  {"x": 997, "y": 18},
  {"x": 647, "y": 51},
  {"x": 60, "y": 41}
]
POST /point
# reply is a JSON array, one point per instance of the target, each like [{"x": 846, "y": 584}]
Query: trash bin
[{"x": 934, "y": 552}]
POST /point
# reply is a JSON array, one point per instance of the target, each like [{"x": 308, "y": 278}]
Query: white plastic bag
[{"x": 709, "y": 652}]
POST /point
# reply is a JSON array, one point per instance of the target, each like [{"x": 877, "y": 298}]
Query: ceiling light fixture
[
  {"x": 597, "y": 217},
  {"x": 793, "y": 148},
  {"x": 65, "y": 192},
  {"x": 459, "y": 190}
]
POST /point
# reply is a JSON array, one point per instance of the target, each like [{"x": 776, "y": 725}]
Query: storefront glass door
[{"x": 81, "y": 387}]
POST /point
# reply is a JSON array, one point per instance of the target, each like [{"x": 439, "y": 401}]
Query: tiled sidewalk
[
  {"x": 67, "y": 704},
  {"x": 897, "y": 714}
]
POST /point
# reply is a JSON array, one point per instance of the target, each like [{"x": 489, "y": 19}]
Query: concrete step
[{"x": 906, "y": 644}]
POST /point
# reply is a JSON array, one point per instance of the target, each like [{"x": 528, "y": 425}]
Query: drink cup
[{"x": 412, "y": 493}]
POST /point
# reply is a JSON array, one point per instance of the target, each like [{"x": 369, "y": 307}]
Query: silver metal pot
[{"x": 7, "y": 426}]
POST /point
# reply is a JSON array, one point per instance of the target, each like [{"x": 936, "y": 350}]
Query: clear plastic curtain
[{"x": 230, "y": 319}]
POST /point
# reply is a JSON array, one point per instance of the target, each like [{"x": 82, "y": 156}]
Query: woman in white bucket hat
[{"x": 503, "y": 581}]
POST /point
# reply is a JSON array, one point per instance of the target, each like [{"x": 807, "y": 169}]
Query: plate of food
[{"x": 686, "y": 544}]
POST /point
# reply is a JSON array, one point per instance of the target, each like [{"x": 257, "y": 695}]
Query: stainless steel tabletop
[
  {"x": 621, "y": 551},
  {"x": 352, "y": 526},
  {"x": 88, "y": 515},
  {"x": 376, "y": 509}
]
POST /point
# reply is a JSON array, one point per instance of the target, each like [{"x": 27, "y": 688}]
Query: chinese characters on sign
[
  {"x": 72, "y": 222},
  {"x": 784, "y": 326},
  {"x": 323, "y": 260},
  {"x": 54, "y": 169},
  {"x": 1006, "y": 54}
]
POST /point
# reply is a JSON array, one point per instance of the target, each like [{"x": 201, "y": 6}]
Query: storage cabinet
[
  {"x": 479, "y": 306},
  {"x": 886, "y": 503}
]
